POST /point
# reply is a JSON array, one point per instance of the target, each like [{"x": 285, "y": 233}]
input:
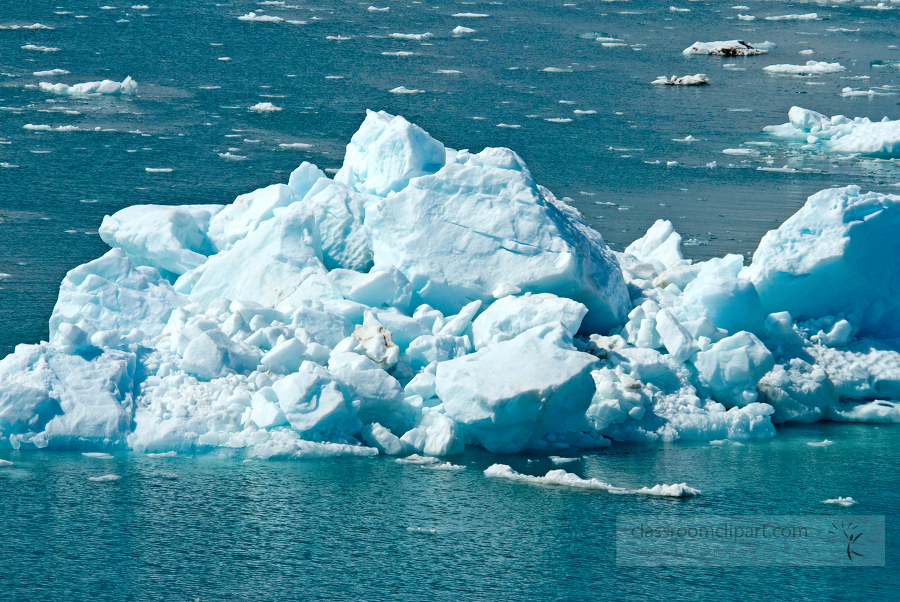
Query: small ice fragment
[
  {"x": 561, "y": 460},
  {"x": 97, "y": 455},
  {"x": 422, "y": 530},
  {"x": 843, "y": 501},
  {"x": 158, "y": 169},
  {"x": 39, "y": 48},
  {"x": 51, "y": 73},
  {"x": 746, "y": 152},
  {"x": 375, "y": 9},
  {"x": 416, "y": 459},
  {"x": 447, "y": 71},
  {"x": 459, "y": 30},
  {"x": 806, "y": 17},
  {"x": 400, "y": 53},
  {"x": 588, "y": 112},
  {"x": 808, "y": 51},
  {"x": 558, "y": 119},
  {"x": 746, "y": 17},
  {"x": 405, "y": 90},
  {"x": 555, "y": 70},
  {"x": 412, "y": 36},
  {"x": 264, "y": 107},
  {"x": 230, "y": 157},
  {"x": 505, "y": 125},
  {"x": 299, "y": 145},
  {"x": 470, "y": 15},
  {"x": 674, "y": 490},
  {"x": 5, "y": 463},
  {"x": 824, "y": 443},
  {"x": 687, "y": 80},
  {"x": 675, "y": 9},
  {"x": 809, "y": 67},
  {"x": 671, "y": 163},
  {"x": 260, "y": 18},
  {"x": 224, "y": 58},
  {"x": 106, "y": 477},
  {"x": 39, "y": 128},
  {"x": 685, "y": 139},
  {"x": 447, "y": 466},
  {"x": 168, "y": 454}
]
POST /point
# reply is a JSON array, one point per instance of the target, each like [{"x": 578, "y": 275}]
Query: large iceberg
[{"x": 426, "y": 299}]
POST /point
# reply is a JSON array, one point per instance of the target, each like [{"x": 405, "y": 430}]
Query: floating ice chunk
[
  {"x": 824, "y": 443},
  {"x": 32, "y": 27},
  {"x": 879, "y": 6},
  {"x": 675, "y": 490},
  {"x": 107, "y": 87},
  {"x": 729, "y": 48},
  {"x": 436, "y": 435},
  {"x": 5, "y": 463},
  {"x": 412, "y": 36},
  {"x": 687, "y": 80},
  {"x": 264, "y": 107},
  {"x": 733, "y": 366},
  {"x": 417, "y": 460},
  {"x": 382, "y": 439},
  {"x": 158, "y": 169},
  {"x": 588, "y": 112},
  {"x": 841, "y": 501},
  {"x": 375, "y": 9},
  {"x": 510, "y": 394},
  {"x": 746, "y": 17},
  {"x": 170, "y": 239},
  {"x": 794, "y": 17},
  {"x": 561, "y": 460},
  {"x": 423, "y": 530},
  {"x": 447, "y": 466},
  {"x": 558, "y": 120},
  {"x": 51, "y": 73},
  {"x": 460, "y": 30},
  {"x": 745, "y": 152},
  {"x": 809, "y": 67},
  {"x": 510, "y": 316},
  {"x": 839, "y": 236},
  {"x": 230, "y": 157},
  {"x": 386, "y": 153},
  {"x": 559, "y": 478},
  {"x": 470, "y": 15},
  {"x": 168, "y": 454},
  {"x": 504, "y": 125},
  {"x": 39, "y": 48},
  {"x": 38, "y": 128},
  {"x": 296, "y": 145},
  {"x": 675, "y": 9},
  {"x": 97, "y": 455},
  {"x": 459, "y": 233},
  {"x": 113, "y": 294},
  {"x": 555, "y": 70},
  {"x": 106, "y": 477},
  {"x": 401, "y": 53},
  {"x": 840, "y": 134},
  {"x": 405, "y": 90},
  {"x": 260, "y": 18}
]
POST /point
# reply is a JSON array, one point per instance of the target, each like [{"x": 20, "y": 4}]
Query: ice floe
[
  {"x": 264, "y": 107},
  {"x": 729, "y": 48},
  {"x": 561, "y": 478},
  {"x": 686, "y": 80},
  {"x": 405, "y": 90},
  {"x": 424, "y": 299},
  {"x": 809, "y": 67},
  {"x": 460, "y": 30},
  {"x": 840, "y": 134},
  {"x": 51, "y": 73},
  {"x": 412, "y": 36},
  {"x": 260, "y": 18},
  {"x": 794, "y": 17},
  {"x": 106, "y": 87},
  {"x": 105, "y": 478},
  {"x": 841, "y": 501},
  {"x": 40, "y": 48}
]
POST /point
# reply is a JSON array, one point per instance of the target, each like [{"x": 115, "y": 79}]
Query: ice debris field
[{"x": 425, "y": 299}]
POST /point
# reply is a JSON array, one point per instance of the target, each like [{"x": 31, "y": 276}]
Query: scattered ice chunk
[
  {"x": 168, "y": 454},
  {"x": 400, "y": 53},
  {"x": 559, "y": 478},
  {"x": 296, "y": 145},
  {"x": 5, "y": 463},
  {"x": 794, "y": 17},
  {"x": 422, "y": 530},
  {"x": 561, "y": 460},
  {"x": 558, "y": 120},
  {"x": 97, "y": 455},
  {"x": 412, "y": 36},
  {"x": 39, "y": 48},
  {"x": 841, "y": 501},
  {"x": 675, "y": 9},
  {"x": 505, "y": 125},
  {"x": 405, "y": 90},
  {"x": 231, "y": 157},
  {"x": 264, "y": 107},
  {"x": 555, "y": 70},
  {"x": 809, "y": 67},
  {"x": 39, "y": 128},
  {"x": 588, "y": 112},
  {"x": 108, "y": 87},
  {"x": 470, "y": 15},
  {"x": 417, "y": 459},
  {"x": 743, "y": 152},
  {"x": 260, "y": 18},
  {"x": 687, "y": 80},
  {"x": 746, "y": 17},
  {"x": 675, "y": 490},
  {"x": 729, "y": 48},
  {"x": 50, "y": 73},
  {"x": 106, "y": 477},
  {"x": 824, "y": 443},
  {"x": 375, "y": 9},
  {"x": 510, "y": 316},
  {"x": 460, "y": 30},
  {"x": 158, "y": 169}
]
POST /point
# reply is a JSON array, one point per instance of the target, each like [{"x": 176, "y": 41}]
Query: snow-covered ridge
[{"x": 425, "y": 299}]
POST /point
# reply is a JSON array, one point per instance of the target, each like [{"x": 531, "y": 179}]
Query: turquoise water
[{"x": 217, "y": 528}]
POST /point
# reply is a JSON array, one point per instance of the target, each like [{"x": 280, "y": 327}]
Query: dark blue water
[{"x": 216, "y": 528}]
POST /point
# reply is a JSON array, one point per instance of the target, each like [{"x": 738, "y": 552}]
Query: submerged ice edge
[{"x": 425, "y": 299}]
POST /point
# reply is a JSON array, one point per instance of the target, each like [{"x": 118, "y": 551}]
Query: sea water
[{"x": 341, "y": 528}]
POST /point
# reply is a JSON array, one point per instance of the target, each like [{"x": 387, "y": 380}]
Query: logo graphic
[{"x": 849, "y": 534}]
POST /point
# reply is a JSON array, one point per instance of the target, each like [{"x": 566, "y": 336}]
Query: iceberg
[
  {"x": 687, "y": 80},
  {"x": 840, "y": 134},
  {"x": 426, "y": 299},
  {"x": 107, "y": 87}
]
